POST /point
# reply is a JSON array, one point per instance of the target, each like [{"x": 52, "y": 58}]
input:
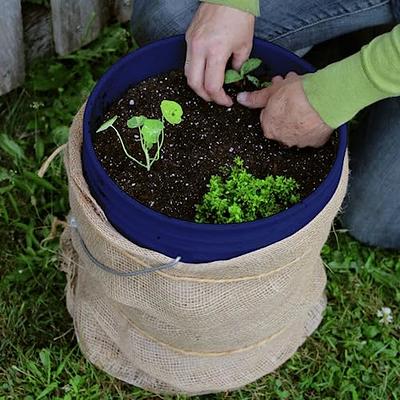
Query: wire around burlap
[
  {"x": 85, "y": 250},
  {"x": 194, "y": 328}
]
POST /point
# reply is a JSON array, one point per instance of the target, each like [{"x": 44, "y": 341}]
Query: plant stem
[
  {"x": 124, "y": 148},
  {"x": 145, "y": 151},
  {"x": 162, "y": 139},
  {"x": 159, "y": 145}
]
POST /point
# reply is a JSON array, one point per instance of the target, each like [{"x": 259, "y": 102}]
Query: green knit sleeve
[
  {"x": 250, "y": 6},
  {"x": 339, "y": 91}
]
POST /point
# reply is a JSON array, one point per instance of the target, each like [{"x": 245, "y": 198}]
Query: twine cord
[
  {"x": 45, "y": 166},
  {"x": 193, "y": 353}
]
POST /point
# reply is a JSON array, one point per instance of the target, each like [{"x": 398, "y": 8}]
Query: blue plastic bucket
[{"x": 195, "y": 243}]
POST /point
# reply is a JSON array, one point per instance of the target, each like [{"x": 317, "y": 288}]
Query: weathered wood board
[
  {"x": 38, "y": 34},
  {"x": 12, "y": 63},
  {"x": 76, "y": 23}
]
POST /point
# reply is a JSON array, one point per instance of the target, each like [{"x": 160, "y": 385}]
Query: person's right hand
[
  {"x": 287, "y": 115},
  {"x": 215, "y": 34}
]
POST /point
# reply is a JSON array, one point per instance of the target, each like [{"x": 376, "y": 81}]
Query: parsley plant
[{"x": 241, "y": 197}]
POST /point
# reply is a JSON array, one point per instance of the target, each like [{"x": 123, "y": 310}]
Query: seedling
[
  {"x": 241, "y": 197},
  {"x": 251, "y": 64},
  {"x": 151, "y": 131}
]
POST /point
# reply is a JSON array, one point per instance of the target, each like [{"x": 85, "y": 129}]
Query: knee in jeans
[
  {"x": 396, "y": 9},
  {"x": 372, "y": 230},
  {"x": 156, "y": 19}
]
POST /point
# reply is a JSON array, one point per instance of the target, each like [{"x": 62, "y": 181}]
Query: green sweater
[
  {"x": 341, "y": 90},
  {"x": 250, "y": 6}
]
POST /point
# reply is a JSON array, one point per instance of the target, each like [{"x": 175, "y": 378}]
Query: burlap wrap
[{"x": 195, "y": 328}]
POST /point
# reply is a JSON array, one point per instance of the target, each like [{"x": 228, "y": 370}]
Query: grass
[{"x": 351, "y": 356}]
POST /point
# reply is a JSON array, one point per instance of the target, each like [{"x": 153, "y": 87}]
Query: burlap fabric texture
[{"x": 194, "y": 328}]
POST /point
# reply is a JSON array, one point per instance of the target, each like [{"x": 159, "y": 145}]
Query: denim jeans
[{"x": 372, "y": 207}]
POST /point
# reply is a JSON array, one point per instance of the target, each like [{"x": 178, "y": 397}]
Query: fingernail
[{"x": 242, "y": 97}]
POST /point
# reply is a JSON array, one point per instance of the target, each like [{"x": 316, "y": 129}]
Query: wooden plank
[
  {"x": 38, "y": 35},
  {"x": 77, "y": 22},
  {"x": 12, "y": 63},
  {"x": 123, "y": 10}
]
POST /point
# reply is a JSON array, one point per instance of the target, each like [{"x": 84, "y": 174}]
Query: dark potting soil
[{"x": 208, "y": 138}]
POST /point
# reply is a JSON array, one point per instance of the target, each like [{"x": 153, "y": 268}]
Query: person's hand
[
  {"x": 287, "y": 115},
  {"x": 215, "y": 34}
]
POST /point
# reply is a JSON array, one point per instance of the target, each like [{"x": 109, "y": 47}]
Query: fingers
[
  {"x": 240, "y": 57},
  {"x": 195, "y": 66},
  {"x": 276, "y": 79},
  {"x": 205, "y": 73},
  {"x": 214, "y": 80},
  {"x": 291, "y": 75},
  {"x": 257, "y": 99},
  {"x": 215, "y": 34},
  {"x": 265, "y": 126},
  {"x": 269, "y": 130}
]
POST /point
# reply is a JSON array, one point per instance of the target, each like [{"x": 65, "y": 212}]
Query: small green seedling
[
  {"x": 151, "y": 131},
  {"x": 250, "y": 65}
]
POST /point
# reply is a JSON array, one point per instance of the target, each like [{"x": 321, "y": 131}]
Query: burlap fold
[{"x": 194, "y": 328}]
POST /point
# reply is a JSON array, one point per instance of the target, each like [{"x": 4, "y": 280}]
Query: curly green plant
[
  {"x": 151, "y": 131},
  {"x": 241, "y": 197},
  {"x": 250, "y": 65}
]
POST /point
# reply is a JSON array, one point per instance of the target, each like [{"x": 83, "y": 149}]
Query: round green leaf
[
  {"x": 107, "y": 124},
  {"x": 232, "y": 76},
  {"x": 151, "y": 131},
  {"x": 171, "y": 111},
  {"x": 250, "y": 65},
  {"x": 135, "y": 121}
]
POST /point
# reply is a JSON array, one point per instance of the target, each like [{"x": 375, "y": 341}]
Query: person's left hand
[
  {"x": 287, "y": 115},
  {"x": 216, "y": 33}
]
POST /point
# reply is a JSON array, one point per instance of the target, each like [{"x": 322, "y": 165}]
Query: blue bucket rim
[{"x": 209, "y": 227}]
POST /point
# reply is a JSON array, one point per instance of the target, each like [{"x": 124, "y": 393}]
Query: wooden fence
[{"x": 29, "y": 31}]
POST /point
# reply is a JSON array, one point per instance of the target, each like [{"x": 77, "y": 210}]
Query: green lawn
[{"x": 351, "y": 356}]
